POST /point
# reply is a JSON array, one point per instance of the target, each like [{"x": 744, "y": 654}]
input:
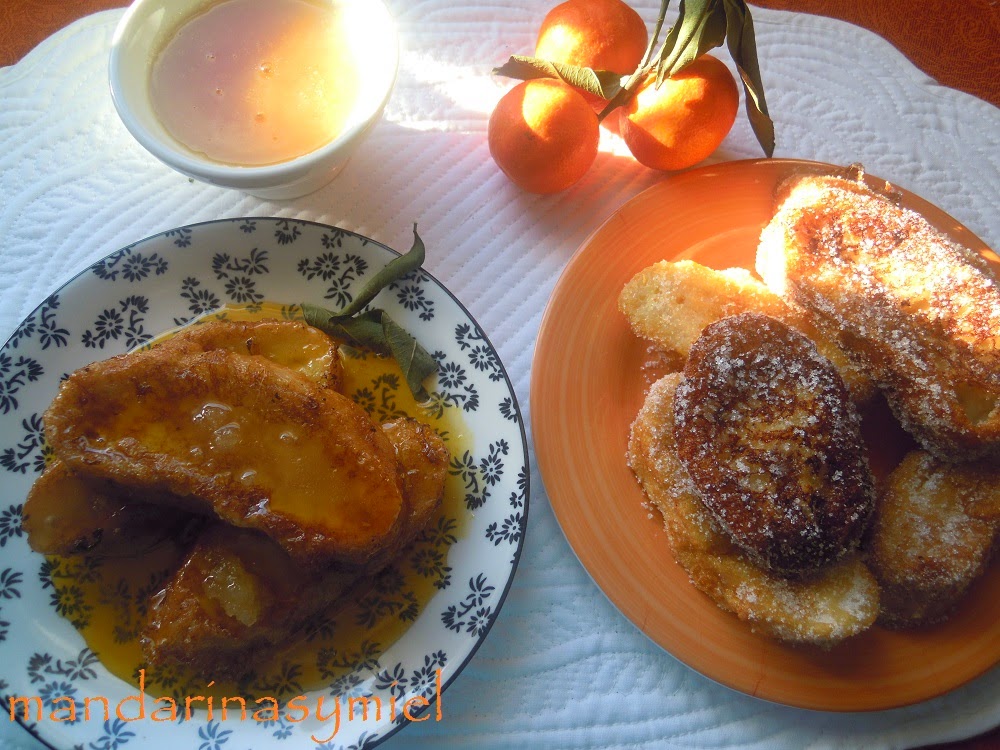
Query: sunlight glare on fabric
[{"x": 476, "y": 91}]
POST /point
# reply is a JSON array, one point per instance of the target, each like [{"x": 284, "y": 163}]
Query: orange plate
[{"x": 586, "y": 388}]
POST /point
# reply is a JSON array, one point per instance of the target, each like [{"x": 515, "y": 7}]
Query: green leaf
[
  {"x": 394, "y": 270},
  {"x": 374, "y": 329},
  {"x": 701, "y": 26},
  {"x": 660, "y": 19},
  {"x": 363, "y": 331},
  {"x": 713, "y": 29},
  {"x": 601, "y": 83},
  {"x": 415, "y": 362},
  {"x": 743, "y": 48},
  {"x": 669, "y": 43}
]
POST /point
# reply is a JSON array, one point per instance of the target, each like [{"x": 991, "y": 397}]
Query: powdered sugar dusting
[
  {"x": 919, "y": 312},
  {"x": 766, "y": 428},
  {"x": 928, "y": 544},
  {"x": 834, "y": 603}
]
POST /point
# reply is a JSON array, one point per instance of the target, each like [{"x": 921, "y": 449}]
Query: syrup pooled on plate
[
  {"x": 107, "y": 598},
  {"x": 255, "y": 82}
]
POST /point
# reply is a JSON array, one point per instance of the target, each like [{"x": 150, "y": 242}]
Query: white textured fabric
[{"x": 561, "y": 668}]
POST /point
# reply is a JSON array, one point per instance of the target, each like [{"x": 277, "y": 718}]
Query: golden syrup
[
  {"x": 305, "y": 485},
  {"x": 107, "y": 598},
  {"x": 255, "y": 82}
]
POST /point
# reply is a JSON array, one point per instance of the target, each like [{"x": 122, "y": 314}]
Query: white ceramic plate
[{"x": 156, "y": 284}]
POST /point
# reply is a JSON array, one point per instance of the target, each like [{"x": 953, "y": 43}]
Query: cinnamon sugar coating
[
  {"x": 824, "y": 608},
  {"x": 920, "y": 313},
  {"x": 671, "y": 302},
  {"x": 767, "y": 431},
  {"x": 935, "y": 529}
]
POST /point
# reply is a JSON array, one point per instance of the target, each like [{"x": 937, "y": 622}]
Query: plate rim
[
  {"x": 544, "y": 460},
  {"x": 394, "y": 727}
]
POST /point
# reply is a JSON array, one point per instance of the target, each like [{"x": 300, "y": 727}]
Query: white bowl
[{"x": 148, "y": 24}]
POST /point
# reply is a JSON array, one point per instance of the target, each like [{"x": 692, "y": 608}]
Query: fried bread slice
[
  {"x": 289, "y": 343},
  {"x": 254, "y": 444},
  {"x": 919, "y": 312},
  {"x": 834, "y": 603},
  {"x": 66, "y": 515},
  {"x": 422, "y": 458},
  {"x": 671, "y": 303},
  {"x": 423, "y": 467},
  {"x": 238, "y": 594},
  {"x": 934, "y": 532},
  {"x": 235, "y": 595},
  {"x": 767, "y": 431}
]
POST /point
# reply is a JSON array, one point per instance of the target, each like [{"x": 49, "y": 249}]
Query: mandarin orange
[
  {"x": 685, "y": 119},
  {"x": 543, "y": 135},
  {"x": 598, "y": 34}
]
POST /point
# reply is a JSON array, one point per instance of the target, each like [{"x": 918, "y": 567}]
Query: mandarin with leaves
[
  {"x": 683, "y": 120},
  {"x": 543, "y": 135}
]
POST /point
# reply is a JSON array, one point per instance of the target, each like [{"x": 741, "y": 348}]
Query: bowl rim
[{"x": 266, "y": 175}]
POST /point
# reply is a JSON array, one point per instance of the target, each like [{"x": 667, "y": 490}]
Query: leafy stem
[{"x": 373, "y": 329}]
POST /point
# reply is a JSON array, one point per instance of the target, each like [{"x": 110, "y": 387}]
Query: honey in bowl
[{"x": 257, "y": 82}]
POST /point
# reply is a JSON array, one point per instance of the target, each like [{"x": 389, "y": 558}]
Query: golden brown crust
[
  {"x": 235, "y": 596},
  {"x": 933, "y": 534},
  {"x": 422, "y": 459},
  {"x": 289, "y": 343},
  {"x": 237, "y": 593},
  {"x": 423, "y": 465},
  {"x": 65, "y": 514},
  {"x": 921, "y": 313},
  {"x": 671, "y": 303},
  {"x": 257, "y": 445},
  {"x": 68, "y": 514},
  {"x": 837, "y": 602},
  {"x": 766, "y": 429}
]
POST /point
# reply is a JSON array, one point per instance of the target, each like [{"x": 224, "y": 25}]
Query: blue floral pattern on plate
[{"x": 166, "y": 280}]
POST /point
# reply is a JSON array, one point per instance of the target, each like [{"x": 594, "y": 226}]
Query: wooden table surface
[{"x": 956, "y": 42}]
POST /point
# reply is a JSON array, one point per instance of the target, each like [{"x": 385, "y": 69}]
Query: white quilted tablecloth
[{"x": 561, "y": 668}]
